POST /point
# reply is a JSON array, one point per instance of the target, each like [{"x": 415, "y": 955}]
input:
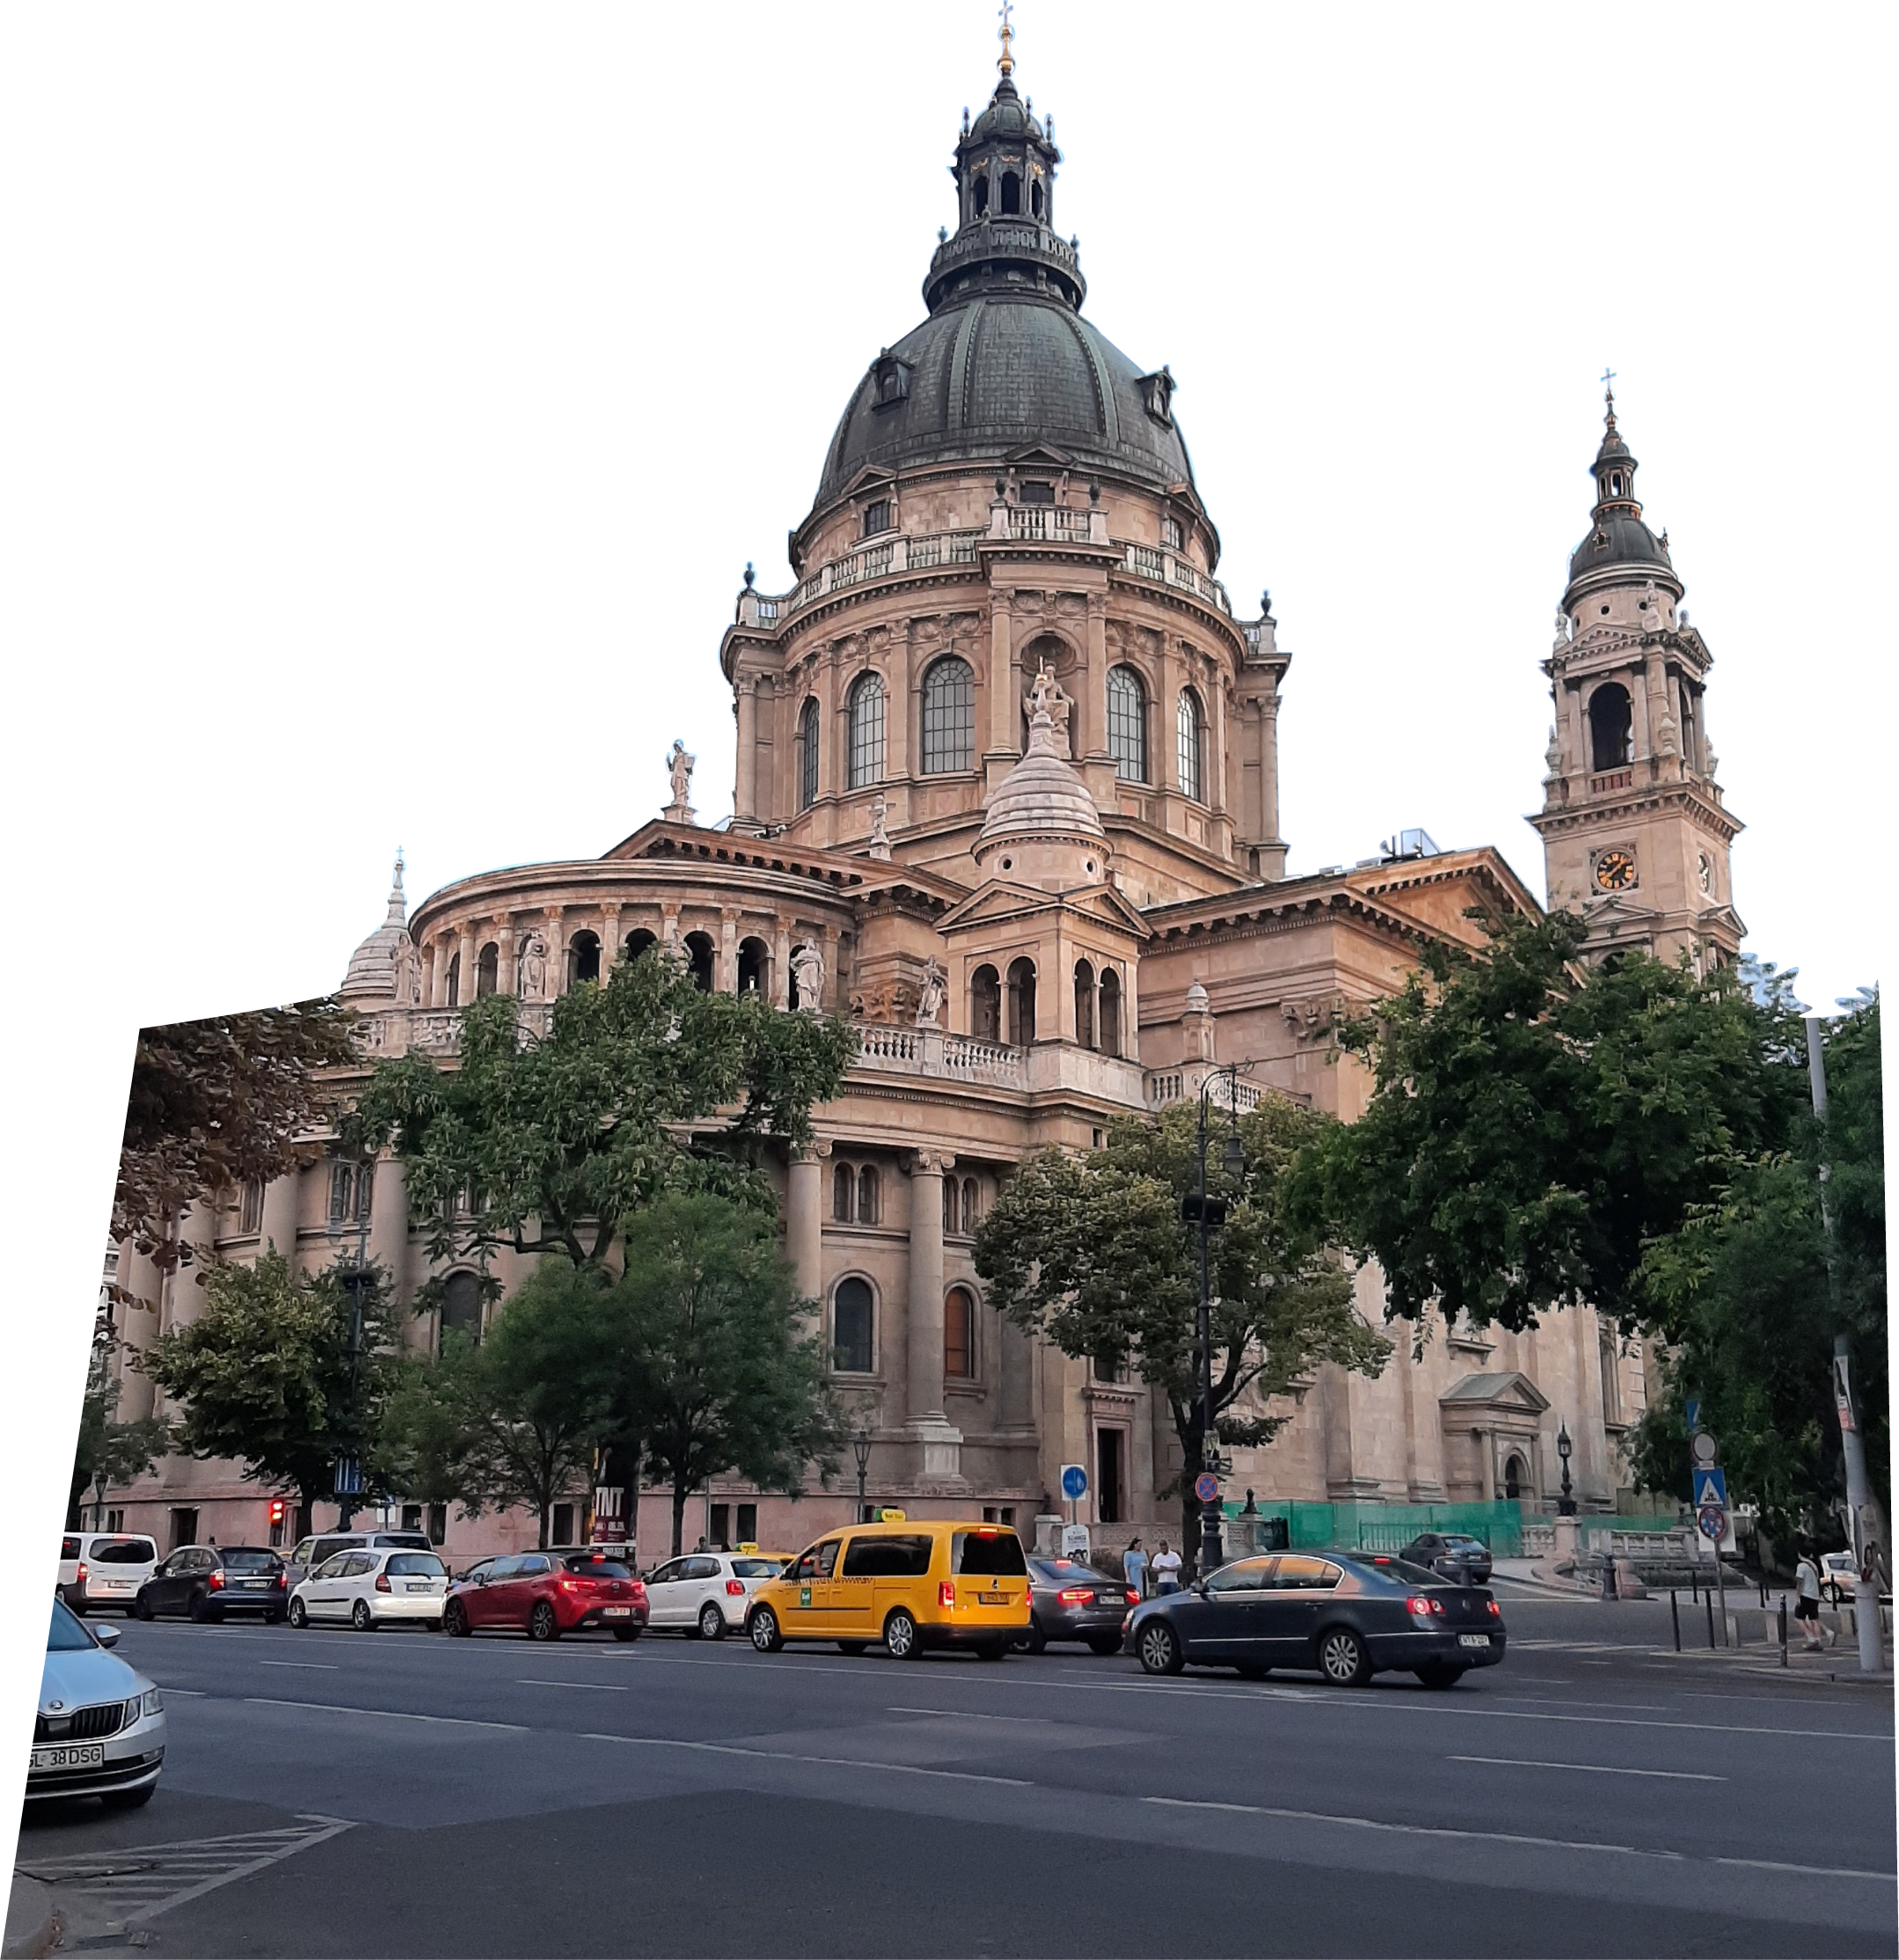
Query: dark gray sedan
[
  {"x": 1454, "y": 1555},
  {"x": 1069, "y": 1601}
]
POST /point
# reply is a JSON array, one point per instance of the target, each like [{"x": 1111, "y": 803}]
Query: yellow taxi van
[{"x": 910, "y": 1585}]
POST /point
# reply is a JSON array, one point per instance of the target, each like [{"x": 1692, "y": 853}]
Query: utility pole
[{"x": 1852, "y": 1444}]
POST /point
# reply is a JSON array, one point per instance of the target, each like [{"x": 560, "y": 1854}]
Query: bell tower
[{"x": 1635, "y": 836}]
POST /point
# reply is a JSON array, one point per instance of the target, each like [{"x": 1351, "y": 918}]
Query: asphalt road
[{"x": 400, "y": 1793}]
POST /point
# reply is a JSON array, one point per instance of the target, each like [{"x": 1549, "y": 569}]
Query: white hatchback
[
  {"x": 705, "y": 1593},
  {"x": 371, "y": 1588}
]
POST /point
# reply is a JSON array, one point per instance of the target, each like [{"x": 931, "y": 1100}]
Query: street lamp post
[
  {"x": 1209, "y": 1213},
  {"x": 1566, "y": 1504},
  {"x": 860, "y": 1448}
]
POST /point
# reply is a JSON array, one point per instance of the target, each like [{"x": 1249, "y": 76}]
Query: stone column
[
  {"x": 1269, "y": 782},
  {"x": 1000, "y": 681},
  {"x": 185, "y": 1290},
  {"x": 901, "y": 716},
  {"x": 804, "y": 1219},
  {"x": 924, "y": 1343},
  {"x": 556, "y": 932},
  {"x": 389, "y": 1223},
  {"x": 745, "y": 794},
  {"x": 283, "y": 1202},
  {"x": 138, "y": 1329},
  {"x": 726, "y": 979},
  {"x": 611, "y": 940},
  {"x": 428, "y": 976},
  {"x": 464, "y": 991},
  {"x": 1094, "y": 692},
  {"x": 834, "y": 977}
]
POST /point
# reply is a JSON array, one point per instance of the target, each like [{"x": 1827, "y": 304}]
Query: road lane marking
[
  {"x": 1513, "y": 1837},
  {"x": 833, "y": 1762},
  {"x": 591, "y": 1688},
  {"x": 962, "y": 1715},
  {"x": 386, "y": 1714},
  {"x": 327, "y": 1667},
  {"x": 1594, "y": 1769},
  {"x": 1577, "y": 1701}
]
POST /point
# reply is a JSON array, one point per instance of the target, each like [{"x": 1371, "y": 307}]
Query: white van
[{"x": 104, "y": 1568}]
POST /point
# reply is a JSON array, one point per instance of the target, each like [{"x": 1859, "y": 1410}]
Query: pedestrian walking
[
  {"x": 1134, "y": 1567},
  {"x": 1166, "y": 1570},
  {"x": 1807, "y": 1610}
]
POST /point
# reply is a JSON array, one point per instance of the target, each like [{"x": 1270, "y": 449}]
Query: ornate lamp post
[
  {"x": 1210, "y": 1213},
  {"x": 860, "y": 1448},
  {"x": 1566, "y": 1504}
]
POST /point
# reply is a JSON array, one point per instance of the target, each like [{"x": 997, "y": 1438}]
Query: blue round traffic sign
[
  {"x": 1074, "y": 1481},
  {"x": 1712, "y": 1520},
  {"x": 1206, "y": 1488}
]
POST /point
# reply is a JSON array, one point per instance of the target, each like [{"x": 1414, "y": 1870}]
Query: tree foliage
[
  {"x": 1535, "y": 1124},
  {"x": 219, "y": 1103},
  {"x": 640, "y": 1087},
  {"x": 266, "y": 1373},
  {"x": 1093, "y": 1254},
  {"x": 108, "y": 1451}
]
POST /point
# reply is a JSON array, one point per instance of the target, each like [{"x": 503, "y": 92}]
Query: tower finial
[
  {"x": 1609, "y": 397},
  {"x": 1005, "y": 34}
]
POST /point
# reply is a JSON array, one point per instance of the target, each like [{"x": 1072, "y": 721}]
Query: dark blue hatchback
[{"x": 1345, "y": 1615}]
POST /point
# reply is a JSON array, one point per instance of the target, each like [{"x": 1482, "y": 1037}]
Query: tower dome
[
  {"x": 1619, "y": 544},
  {"x": 379, "y": 966},
  {"x": 1041, "y": 827}
]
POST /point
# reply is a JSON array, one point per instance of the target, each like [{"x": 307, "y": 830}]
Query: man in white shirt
[{"x": 1166, "y": 1570}]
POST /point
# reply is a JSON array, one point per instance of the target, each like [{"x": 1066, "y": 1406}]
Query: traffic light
[{"x": 277, "y": 1510}]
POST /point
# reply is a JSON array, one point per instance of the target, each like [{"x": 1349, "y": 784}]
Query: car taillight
[
  {"x": 82, "y": 1572},
  {"x": 1076, "y": 1596},
  {"x": 382, "y": 1583},
  {"x": 1493, "y": 1609},
  {"x": 1421, "y": 1606},
  {"x": 735, "y": 1588},
  {"x": 214, "y": 1582},
  {"x": 1134, "y": 1597},
  {"x": 946, "y": 1594},
  {"x": 570, "y": 1585}
]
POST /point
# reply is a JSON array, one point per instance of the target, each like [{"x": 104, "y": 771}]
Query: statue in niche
[
  {"x": 807, "y": 975},
  {"x": 930, "y": 993},
  {"x": 1047, "y": 714},
  {"x": 533, "y": 966},
  {"x": 679, "y": 768}
]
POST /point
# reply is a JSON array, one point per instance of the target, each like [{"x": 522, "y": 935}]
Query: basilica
[{"x": 1006, "y": 796}]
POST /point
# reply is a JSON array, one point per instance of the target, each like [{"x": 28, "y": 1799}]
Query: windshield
[
  {"x": 240, "y": 1560},
  {"x": 755, "y": 1568},
  {"x": 416, "y": 1565},
  {"x": 988, "y": 1554},
  {"x": 69, "y": 1635},
  {"x": 1063, "y": 1572}
]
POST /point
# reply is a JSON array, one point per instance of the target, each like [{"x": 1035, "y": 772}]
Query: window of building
[
  {"x": 951, "y": 1208},
  {"x": 1021, "y": 1002},
  {"x": 460, "y": 1312},
  {"x": 1610, "y": 727},
  {"x": 982, "y": 197},
  {"x": 251, "y": 1207},
  {"x": 869, "y": 1196},
  {"x": 487, "y": 971},
  {"x": 877, "y": 515},
  {"x": 808, "y": 754},
  {"x": 114, "y": 1520},
  {"x": 1110, "y": 1012},
  {"x": 972, "y": 1204},
  {"x": 638, "y": 942},
  {"x": 583, "y": 958},
  {"x": 866, "y": 711},
  {"x": 438, "y": 1524},
  {"x": 755, "y": 964},
  {"x": 1515, "y": 1477},
  {"x": 747, "y": 1524},
  {"x": 700, "y": 958},
  {"x": 985, "y": 1005},
  {"x": 1083, "y": 1003},
  {"x": 949, "y": 716},
  {"x": 1012, "y": 195},
  {"x": 852, "y": 1310},
  {"x": 1170, "y": 534},
  {"x": 455, "y": 980},
  {"x": 959, "y": 1335},
  {"x": 1126, "y": 724},
  {"x": 1034, "y": 199},
  {"x": 843, "y": 1194},
  {"x": 1188, "y": 726},
  {"x": 1611, "y": 1382},
  {"x": 1035, "y": 492},
  {"x": 563, "y": 1523},
  {"x": 342, "y": 1193}
]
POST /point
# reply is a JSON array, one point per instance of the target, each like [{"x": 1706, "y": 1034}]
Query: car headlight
[{"x": 151, "y": 1703}]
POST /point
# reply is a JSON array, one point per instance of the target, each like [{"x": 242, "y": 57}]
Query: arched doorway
[{"x": 1516, "y": 1476}]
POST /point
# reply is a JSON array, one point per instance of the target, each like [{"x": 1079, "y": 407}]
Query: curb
[{"x": 33, "y": 1925}]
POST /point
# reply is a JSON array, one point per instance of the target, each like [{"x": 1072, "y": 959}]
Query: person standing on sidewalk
[
  {"x": 1166, "y": 1570},
  {"x": 1134, "y": 1567},
  {"x": 1807, "y": 1610}
]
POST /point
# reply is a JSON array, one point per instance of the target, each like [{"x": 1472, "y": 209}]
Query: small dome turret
[
  {"x": 1619, "y": 542},
  {"x": 1041, "y": 827},
  {"x": 380, "y": 967}
]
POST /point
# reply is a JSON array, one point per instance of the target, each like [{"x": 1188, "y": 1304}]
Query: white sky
[{"x": 393, "y": 396}]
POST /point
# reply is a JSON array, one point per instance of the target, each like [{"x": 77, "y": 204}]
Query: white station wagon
[{"x": 373, "y": 1587}]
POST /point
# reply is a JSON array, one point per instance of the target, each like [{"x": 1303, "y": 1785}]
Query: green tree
[
  {"x": 1094, "y": 1255},
  {"x": 272, "y": 1373},
  {"x": 720, "y": 1375},
  {"x": 642, "y": 1086},
  {"x": 108, "y": 1451},
  {"x": 1534, "y": 1123},
  {"x": 516, "y": 1419}
]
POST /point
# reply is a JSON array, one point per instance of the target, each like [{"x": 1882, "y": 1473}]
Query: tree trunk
[
  {"x": 547, "y": 1508},
  {"x": 680, "y": 1493}
]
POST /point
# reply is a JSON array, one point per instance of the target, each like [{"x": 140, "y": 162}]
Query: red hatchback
[{"x": 547, "y": 1594}]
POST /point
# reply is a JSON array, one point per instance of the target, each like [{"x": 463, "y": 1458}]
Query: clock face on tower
[{"x": 1615, "y": 870}]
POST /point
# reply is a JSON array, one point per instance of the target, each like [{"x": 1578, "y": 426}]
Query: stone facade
[{"x": 1006, "y": 796}]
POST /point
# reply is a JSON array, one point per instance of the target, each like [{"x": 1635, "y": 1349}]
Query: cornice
[{"x": 1631, "y": 804}]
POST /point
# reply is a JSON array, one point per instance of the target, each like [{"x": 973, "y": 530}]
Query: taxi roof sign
[{"x": 890, "y": 1515}]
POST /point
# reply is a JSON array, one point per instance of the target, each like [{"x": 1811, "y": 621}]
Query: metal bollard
[
  {"x": 1709, "y": 1598},
  {"x": 1782, "y": 1629},
  {"x": 1694, "y": 1584},
  {"x": 1675, "y": 1617}
]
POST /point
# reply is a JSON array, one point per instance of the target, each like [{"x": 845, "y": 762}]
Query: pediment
[
  {"x": 1040, "y": 454},
  {"x": 1510, "y": 1392},
  {"x": 872, "y": 476},
  {"x": 1000, "y": 900}
]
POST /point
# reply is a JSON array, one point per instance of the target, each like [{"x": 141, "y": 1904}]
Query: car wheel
[
  {"x": 1105, "y": 1644},
  {"x": 1159, "y": 1648},
  {"x": 853, "y": 1647},
  {"x": 127, "y": 1799},
  {"x": 202, "y": 1609},
  {"x": 1342, "y": 1658},
  {"x": 275, "y": 1617},
  {"x": 627, "y": 1632},
  {"x": 142, "y": 1607},
  {"x": 763, "y": 1626},
  {"x": 1439, "y": 1674},
  {"x": 900, "y": 1636},
  {"x": 711, "y": 1621},
  {"x": 455, "y": 1620},
  {"x": 542, "y": 1625},
  {"x": 361, "y": 1618},
  {"x": 1037, "y": 1641}
]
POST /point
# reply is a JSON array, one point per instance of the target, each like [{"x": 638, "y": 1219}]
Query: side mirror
[
  {"x": 1199, "y": 1587},
  {"x": 107, "y": 1636}
]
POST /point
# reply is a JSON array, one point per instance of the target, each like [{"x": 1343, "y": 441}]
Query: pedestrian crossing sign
[{"x": 1711, "y": 1487}]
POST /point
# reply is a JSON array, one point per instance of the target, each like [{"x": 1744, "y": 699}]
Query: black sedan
[
  {"x": 1454, "y": 1555},
  {"x": 1068, "y": 1601},
  {"x": 209, "y": 1582},
  {"x": 1347, "y": 1614}
]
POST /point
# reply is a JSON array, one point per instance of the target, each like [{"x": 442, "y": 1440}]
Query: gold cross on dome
[
  {"x": 1609, "y": 386},
  {"x": 1005, "y": 34}
]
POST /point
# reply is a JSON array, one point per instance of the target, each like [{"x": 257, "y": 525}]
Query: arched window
[
  {"x": 1691, "y": 739},
  {"x": 1610, "y": 743},
  {"x": 868, "y": 1195},
  {"x": 959, "y": 1335},
  {"x": 251, "y": 1207},
  {"x": 1012, "y": 195},
  {"x": 1188, "y": 724},
  {"x": 342, "y": 1192},
  {"x": 583, "y": 958},
  {"x": 1126, "y": 724},
  {"x": 866, "y": 710},
  {"x": 1110, "y": 1012},
  {"x": 1034, "y": 199},
  {"x": 982, "y": 197},
  {"x": 971, "y": 1200},
  {"x": 952, "y": 1209},
  {"x": 851, "y": 1318},
  {"x": 461, "y": 1308},
  {"x": 1083, "y": 1003},
  {"x": 455, "y": 981},
  {"x": 700, "y": 955},
  {"x": 808, "y": 754},
  {"x": 487, "y": 971},
  {"x": 985, "y": 1005},
  {"x": 638, "y": 942},
  {"x": 755, "y": 965},
  {"x": 843, "y": 1194},
  {"x": 1021, "y": 1002},
  {"x": 949, "y": 716}
]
